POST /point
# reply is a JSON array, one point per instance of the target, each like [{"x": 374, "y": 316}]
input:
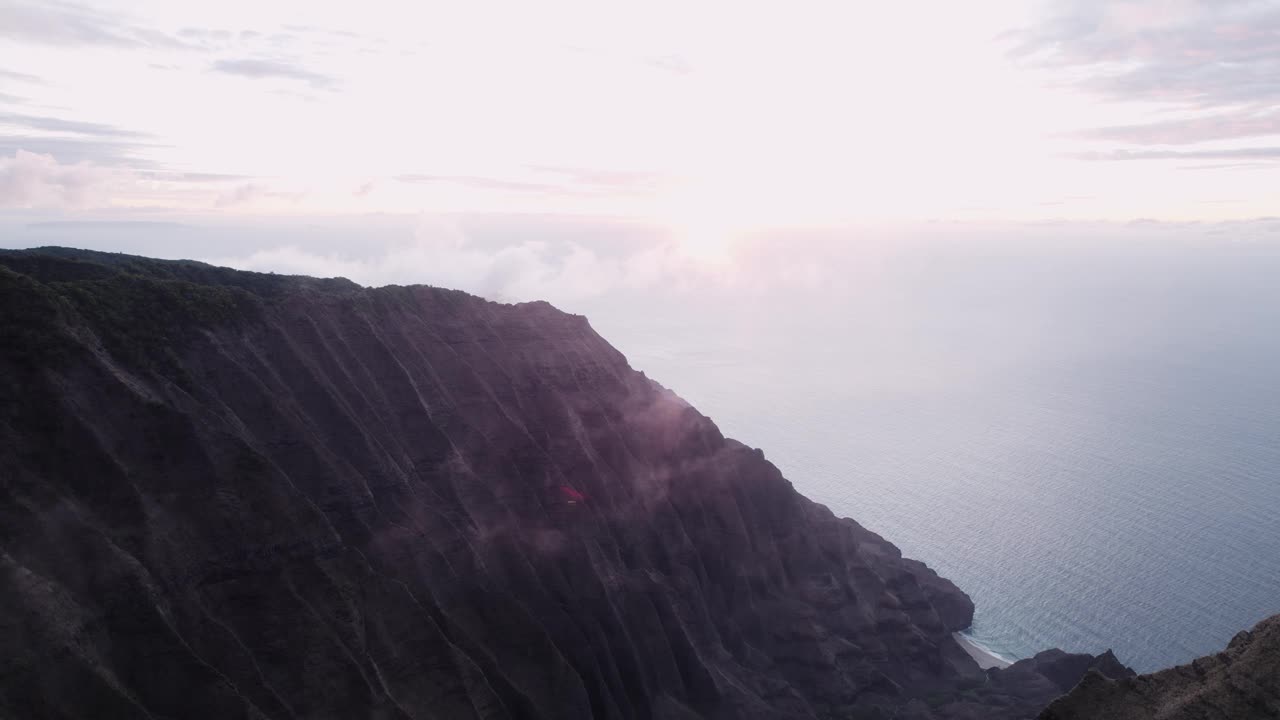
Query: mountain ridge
[
  {"x": 1241, "y": 683},
  {"x": 313, "y": 499}
]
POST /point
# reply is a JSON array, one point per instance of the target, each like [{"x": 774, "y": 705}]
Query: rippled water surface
[{"x": 1085, "y": 439}]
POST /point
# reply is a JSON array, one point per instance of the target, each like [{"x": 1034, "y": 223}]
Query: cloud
[
  {"x": 273, "y": 69},
  {"x": 1183, "y": 131},
  {"x": 1198, "y": 52},
  {"x": 603, "y": 179},
  {"x": 251, "y": 193},
  {"x": 193, "y": 177},
  {"x": 52, "y": 22},
  {"x": 1215, "y": 62},
  {"x": 479, "y": 182},
  {"x": 1246, "y": 153},
  {"x": 673, "y": 63},
  {"x": 241, "y": 195},
  {"x": 313, "y": 30},
  {"x": 78, "y": 127},
  {"x": 1229, "y": 166},
  {"x": 442, "y": 253},
  {"x": 89, "y": 143},
  {"x": 676, "y": 64},
  {"x": 530, "y": 258},
  {"x": 207, "y": 36},
  {"x": 18, "y": 77},
  {"x": 549, "y": 180},
  {"x": 77, "y": 150},
  {"x": 80, "y": 142},
  {"x": 31, "y": 180},
  {"x": 108, "y": 225}
]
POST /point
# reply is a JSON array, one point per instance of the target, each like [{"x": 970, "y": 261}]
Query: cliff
[
  {"x": 234, "y": 495},
  {"x": 1240, "y": 683}
]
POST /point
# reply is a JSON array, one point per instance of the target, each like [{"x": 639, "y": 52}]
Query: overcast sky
[{"x": 709, "y": 119}]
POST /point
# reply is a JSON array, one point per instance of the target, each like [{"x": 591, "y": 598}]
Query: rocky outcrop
[
  {"x": 234, "y": 495},
  {"x": 1239, "y": 683}
]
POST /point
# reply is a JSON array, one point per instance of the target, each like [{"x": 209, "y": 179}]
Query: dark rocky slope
[
  {"x": 234, "y": 495},
  {"x": 1240, "y": 683}
]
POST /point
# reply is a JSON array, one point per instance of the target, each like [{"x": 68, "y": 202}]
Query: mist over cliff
[{"x": 231, "y": 494}]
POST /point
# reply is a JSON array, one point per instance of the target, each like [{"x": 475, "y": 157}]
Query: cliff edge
[
  {"x": 234, "y": 495},
  {"x": 1240, "y": 683}
]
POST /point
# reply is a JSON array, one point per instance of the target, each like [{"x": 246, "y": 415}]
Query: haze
[{"x": 704, "y": 121}]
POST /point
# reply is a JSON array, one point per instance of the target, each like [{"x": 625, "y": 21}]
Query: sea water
[{"x": 1084, "y": 437}]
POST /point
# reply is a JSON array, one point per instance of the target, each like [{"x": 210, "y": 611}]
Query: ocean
[{"x": 1084, "y": 436}]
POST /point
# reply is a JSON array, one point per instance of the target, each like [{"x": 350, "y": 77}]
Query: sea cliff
[{"x": 229, "y": 494}]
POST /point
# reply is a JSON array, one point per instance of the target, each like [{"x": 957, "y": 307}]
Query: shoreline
[{"x": 985, "y": 658}]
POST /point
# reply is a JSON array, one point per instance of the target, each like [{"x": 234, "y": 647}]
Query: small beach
[{"x": 984, "y": 657}]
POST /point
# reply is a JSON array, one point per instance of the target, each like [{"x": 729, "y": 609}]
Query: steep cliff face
[
  {"x": 1239, "y": 683},
  {"x": 234, "y": 495}
]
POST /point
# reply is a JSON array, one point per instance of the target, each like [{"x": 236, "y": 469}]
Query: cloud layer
[
  {"x": 259, "y": 68},
  {"x": 665, "y": 112},
  {"x": 31, "y": 180},
  {"x": 440, "y": 251},
  {"x": 64, "y": 24},
  {"x": 1214, "y": 64}
]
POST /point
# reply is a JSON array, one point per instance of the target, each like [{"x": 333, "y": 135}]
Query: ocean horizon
[{"x": 1082, "y": 437}]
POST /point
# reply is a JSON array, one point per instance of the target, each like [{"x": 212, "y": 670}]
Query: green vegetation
[
  {"x": 31, "y": 324},
  {"x": 140, "y": 320},
  {"x": 141, "y": 310}
]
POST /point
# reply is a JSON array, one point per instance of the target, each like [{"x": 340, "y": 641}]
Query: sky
[{"x": 700, "y": 122}]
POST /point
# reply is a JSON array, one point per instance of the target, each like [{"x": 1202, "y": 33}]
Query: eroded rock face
[
  {"x": 1239, "y": 683},
  {"x": 233, "y": 495}
]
